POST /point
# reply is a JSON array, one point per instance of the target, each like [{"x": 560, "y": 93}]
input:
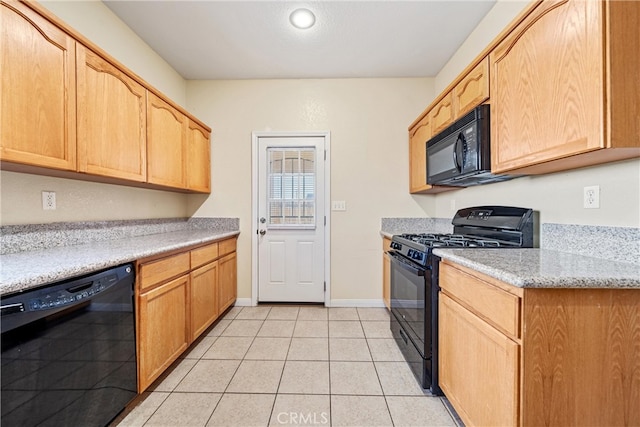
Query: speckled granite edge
[
  {"x": 391, "y": 226},
  {"x": 34, "y": 237},
  {"x": 543, "y": 268},
  {"x": 611, "y": 243},
  {"x": 24, "y": 270}
]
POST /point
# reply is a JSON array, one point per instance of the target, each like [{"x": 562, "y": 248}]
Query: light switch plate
[{"x": 338, "y": 205}]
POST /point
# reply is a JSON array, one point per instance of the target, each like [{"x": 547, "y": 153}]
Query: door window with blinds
[{"x": 291, "y": 187}]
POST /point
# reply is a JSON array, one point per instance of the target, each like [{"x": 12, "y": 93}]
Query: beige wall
[
  {"x": 558, "y": 197},
  {"x": 20, "y": 201},
  {"x": 96, "y": 22},
  {"x": 368, "y": 121},
  {"x": 82, "y": 201}
]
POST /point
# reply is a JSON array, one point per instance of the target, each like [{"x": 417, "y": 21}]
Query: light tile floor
[{"x": 291, "y": 365}]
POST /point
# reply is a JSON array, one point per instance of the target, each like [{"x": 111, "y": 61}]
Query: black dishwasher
[{"x": 69, "y": 352}]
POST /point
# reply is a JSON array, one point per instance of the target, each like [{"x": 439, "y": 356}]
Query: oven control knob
[{"x": 410, "y": 253}]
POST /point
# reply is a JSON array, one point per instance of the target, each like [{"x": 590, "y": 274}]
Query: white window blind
[{"x": 292, "y": 187}]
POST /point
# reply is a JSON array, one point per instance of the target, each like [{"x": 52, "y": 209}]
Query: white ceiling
[{"x": 254, "y": 40}]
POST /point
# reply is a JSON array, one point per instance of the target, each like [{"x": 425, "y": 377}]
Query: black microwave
[{"x": 460, "y": 155}]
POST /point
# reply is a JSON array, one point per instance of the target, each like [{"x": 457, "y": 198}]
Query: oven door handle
[{"x": 400, "y": 262}]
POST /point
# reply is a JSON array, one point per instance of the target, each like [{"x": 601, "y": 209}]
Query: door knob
[{"x": 262, "y": 232}]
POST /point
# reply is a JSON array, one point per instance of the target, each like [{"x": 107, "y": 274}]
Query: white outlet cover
[
  {"x": 49, "y": 200},
  {"x": 591, "y": 198}
]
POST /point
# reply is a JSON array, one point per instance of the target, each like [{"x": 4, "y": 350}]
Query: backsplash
[
  {"x": 612, "y": 243},
  {"x": 416, "y": 225},
  {"x": 32, "y": 237}
]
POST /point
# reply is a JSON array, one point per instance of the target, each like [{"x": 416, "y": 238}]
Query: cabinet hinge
[
  {"x": 325, "y": 220},
  {"x": 325, "y": 286},
  {"x": 325, "y": 154}
]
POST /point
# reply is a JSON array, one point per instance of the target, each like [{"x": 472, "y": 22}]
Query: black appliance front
[
  {"x": 68, "y": 352},
  {"x": 414, "y": 319},
  {"x": 460, "y": 155}
]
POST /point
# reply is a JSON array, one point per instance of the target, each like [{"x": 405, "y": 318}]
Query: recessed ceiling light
[{"x": 302, "y": 18}]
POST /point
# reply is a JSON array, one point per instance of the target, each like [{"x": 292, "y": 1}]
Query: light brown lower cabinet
[
  {"x": 477, "y": 358},
  {"x": 386, "y": 273},
  {"x": 163, "y": 328},
  {"x": 538, "y": 357},
  {"x": 178, "y": 297},
  {"x": 204, "y": 298},
  {"x": 228, "y": 288}
]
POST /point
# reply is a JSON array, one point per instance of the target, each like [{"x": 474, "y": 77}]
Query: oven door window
[{"x": 408, "y": 290}]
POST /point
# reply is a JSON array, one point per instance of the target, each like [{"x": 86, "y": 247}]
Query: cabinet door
[
  {"x": 418, "y": 137},
  {"x": 163, "y": 328},
  {"x": 38, "y": 92},
  {"x": 204, "y": 298},
  {"x": 227, "y": 281},
  {"x": 547, "y": 86},
  {"x": 386, "y": 273},
  {"x": 198, "y": 159},
  {"x": 111, "y": 120},
  {"x": 442, "y": 114},
  {"x": 472, "y": 90},
  {"x": 476, "y": 360},
  {"x": 166, "y": 143}
]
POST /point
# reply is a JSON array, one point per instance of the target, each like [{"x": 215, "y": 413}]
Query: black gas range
[{"x": 414, "y": 277}]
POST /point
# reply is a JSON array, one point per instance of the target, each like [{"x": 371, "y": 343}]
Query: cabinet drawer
[
  {"x": 155, "y": 272},
  {"x": 203, "y": 255},
  {"x": 227, "y": 246},
  {"x": 494, "y": 305}
]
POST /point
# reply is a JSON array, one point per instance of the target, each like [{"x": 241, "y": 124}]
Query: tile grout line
[
  {"x": 286, "y": 359},
  {"x": 237, "y": 367},
  {"x": 275, "y": 398}
]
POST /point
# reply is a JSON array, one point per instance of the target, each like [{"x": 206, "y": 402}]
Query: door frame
[{"x": 254, "y": 206}]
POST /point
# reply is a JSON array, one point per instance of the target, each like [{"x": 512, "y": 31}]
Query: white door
[{"x": 291, "y": 219}]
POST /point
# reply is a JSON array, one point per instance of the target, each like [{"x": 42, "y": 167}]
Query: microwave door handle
[{"x": 455, "y": 153}]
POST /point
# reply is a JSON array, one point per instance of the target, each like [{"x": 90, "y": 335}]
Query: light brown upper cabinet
[
  {"x": 38, "y": 110},
  {"x": 69, "y": 109},
  {"x": 472, "y": 90},
  {"x": 166, "y": 143},
  {"x": 564, "y": 88},
  {"x": 469, "y": 92},
  {"x": 418, "y": 136},
  {"x": 111, "y": 120},
  {"x": 198, "y": 158},
  {"x": 442, "y": 114}
]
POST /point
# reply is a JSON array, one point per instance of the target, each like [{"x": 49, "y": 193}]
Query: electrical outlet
[
  {"x": 592, "y": 197},
  {"x": 338, "y": 205},
  {"x": 49, "y": 200}
]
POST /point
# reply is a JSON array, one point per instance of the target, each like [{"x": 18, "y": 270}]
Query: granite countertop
[
  {"x": 23, "y": 270},
  {"x": 544, "y": 268}
]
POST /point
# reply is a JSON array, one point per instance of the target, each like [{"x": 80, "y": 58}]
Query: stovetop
[
  {"x": 427, "y": 240},
  {"x": 477, "y": 227}
]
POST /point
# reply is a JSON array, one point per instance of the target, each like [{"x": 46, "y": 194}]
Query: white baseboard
[
  {"x": 357, "y": 303},
  {"x": 246, "y": 302}
]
